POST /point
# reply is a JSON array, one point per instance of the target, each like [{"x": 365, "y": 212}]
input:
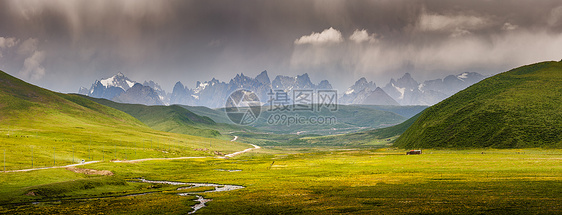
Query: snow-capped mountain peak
[
  {"x": 400, "y": 89},
  {"x": 360, "y": 85},
  {"x": 120, "y": 88},
  {"x": 164, "y": 97},
  {"x": 463, "y": 76},
  {"x": 118, "y": 80},
  {"x": 152, "y": 84},
  {"x": 200, "y": 86}
]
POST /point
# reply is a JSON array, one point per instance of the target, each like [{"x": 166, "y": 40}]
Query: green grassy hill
[
  {"x": 169, "y": 118},
  {"x": 515, "y": 109},
  {"x": 41, "y": 128},
  {"x": 25, "y": 105},
  {"x": 218, "y": 116}
]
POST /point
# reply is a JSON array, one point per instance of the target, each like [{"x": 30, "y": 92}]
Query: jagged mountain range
[
  {"x": 407, "y": 91},
  {"x": 121, "y": 89},
  {"x": 213, "y": 93},
  {"x": 210, "y": 93},
  {"x": 108, "y": 88}
]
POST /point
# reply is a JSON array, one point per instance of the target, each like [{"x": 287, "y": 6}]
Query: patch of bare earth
[
  {"x": 31, "y": 194},
  {"x": 89, "y": 171}
]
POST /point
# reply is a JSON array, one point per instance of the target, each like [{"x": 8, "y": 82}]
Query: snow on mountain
[
  {"x": 108, "y": 88},
  {"x": 364, "y": 92},
  {"x": 164, "y": 97},
  {"x": 408, "y": 91},
  {"x": 404, "y": 90},
  {"x": 452, "y": 83},
  {"x": 352, "y": 94},
  {"x": 117, "y": 88},
  {"x": 210, "y": 94},
  {"x": 118, "y": 80},
  {"x": 260, "y": 85},
  {"x": 98, "y": 90},
  {"x": 213, "y": 93},
  {"x": 288, "y": 84},
  {"x": 463, "y": 76},
  {"x": 139, "y": 94},
  {"x": 201, "y": 86}
]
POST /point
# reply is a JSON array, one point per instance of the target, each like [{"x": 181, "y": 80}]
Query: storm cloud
[{"x": 63, "y": 45}]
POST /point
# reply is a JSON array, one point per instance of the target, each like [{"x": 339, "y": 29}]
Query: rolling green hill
[
  {"x": 218, "y": 116},
  {"x": 168, "y": 118},
  {"x": 515, "y": 109},
  {"x": 41, "y": 128},
  {"x": 26, "y": 105}
]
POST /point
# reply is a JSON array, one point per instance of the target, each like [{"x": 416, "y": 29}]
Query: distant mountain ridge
[
  {"x": 213, "y": 93},
  {"x": 407, "y": 91},
  {"x": 109, "y": 88},
  {"x": 139, "y": 94}
]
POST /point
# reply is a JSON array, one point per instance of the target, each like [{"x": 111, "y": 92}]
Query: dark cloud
[{"x": 76, "y": 42}]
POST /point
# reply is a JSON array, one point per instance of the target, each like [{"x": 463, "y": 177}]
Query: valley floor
[
  {"x": 137, "y": 160},
  {"x": 304, "y": 181}
]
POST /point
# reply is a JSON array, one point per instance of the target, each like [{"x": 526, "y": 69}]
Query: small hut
[{"x": 414, "y": 152}]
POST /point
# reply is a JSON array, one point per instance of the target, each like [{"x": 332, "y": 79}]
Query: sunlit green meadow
[
  {"x": 46, "y": 147},
  {"x": 287, "y": 181}
]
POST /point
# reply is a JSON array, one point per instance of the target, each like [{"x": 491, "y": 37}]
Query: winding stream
[
  {"x": 201, "y": 204},
  {"x": 200, "y": 199}
]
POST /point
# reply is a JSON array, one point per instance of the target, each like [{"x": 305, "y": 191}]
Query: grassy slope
[
  {"x": 518, "y": 108},
  {"x": 171, "y": 118},
  {"x": 37, "y": 125},
  {"x": 216, "y": 115},
  {"x": 20, "y": 101}
]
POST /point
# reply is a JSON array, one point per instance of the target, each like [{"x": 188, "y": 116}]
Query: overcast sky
[{"x": 63, "y": 45}]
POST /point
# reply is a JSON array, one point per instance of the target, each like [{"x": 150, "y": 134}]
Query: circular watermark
[{"x": 243, "y": 107}]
